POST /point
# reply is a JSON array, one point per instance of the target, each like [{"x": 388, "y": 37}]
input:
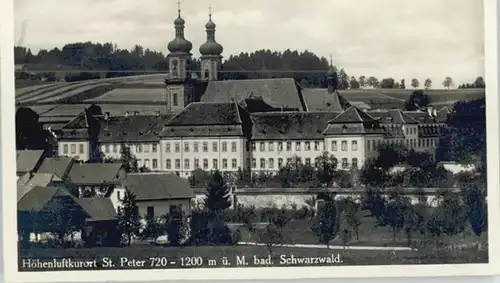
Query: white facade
[
  {"x": 147, "y": 153},
  {"x": 183, "y": 155},
  {"x": 79, "y": 150}
]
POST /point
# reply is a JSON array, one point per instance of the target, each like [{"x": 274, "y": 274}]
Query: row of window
[
  {"x": 196, "y": 164},
  {"x": 138, "y": 148},
  {"x": 410, "y": 131},
  {"x": 318, "y": 146},
  {"x": 71, "y": 149},
  {"x": 409, "y": 143},
  {"x": 147, "y": 164},
  {"x": 204, "y": 147},
  {"x": 269, "y": 163}
]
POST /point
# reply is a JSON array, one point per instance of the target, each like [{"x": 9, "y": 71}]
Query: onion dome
[
  {"x": 211, "y": 47},
  {"x": 210, "y": 25},
  {"x": 331, "y": 72},
  {"x": 179, "y": 44}
]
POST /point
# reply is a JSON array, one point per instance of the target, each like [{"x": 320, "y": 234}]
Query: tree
[
  {"x": 217, "y": 195},
  {"x": 354, "y": 83},
  {"x": 394, "y": 212},
  {"x": 128, "y": 216},
  {"x": 373, "y": 82},
  {"x": 325, "y": 169},
  {"x": 387, "y": 83},
  {"x": 414, "y": 220},
  {"x": 479, "y": 83},
  {"x": 452, "y": 211},
  {"x": 374, "y": 201},
  {"x": 362, "y": 81},
  {"x": 417, "y": 101},
  {"x": 464, "y": 138},
  {"x": 415, "y": 83},
  {"x": 29, "y": 131},
  {"x": 427, "y": 83},
  {"x": 62, "y": 216},
  {"x": 351, "y": 211},
  {"x": 448, "y": 82},
  {"x": 371, "y": 174},
  {"x": 176, "y": 226},
  {"x": 273, "y": 234},
  {"x": 325, "y": 225},
  {"x": 343, "y": 80},
  {"x": 129, "y": 162},
  {"x": 199, "y": 178},
  {"x": 402, "y": 84},
  {"x": 474, "y": 198}
]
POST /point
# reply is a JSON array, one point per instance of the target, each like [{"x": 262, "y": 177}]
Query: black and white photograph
[{"x": 229, "y": 135}]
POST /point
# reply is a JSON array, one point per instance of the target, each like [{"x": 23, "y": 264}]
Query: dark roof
[
  {"x": 79, "y": 122},
  {"x": 256, "y": 105},
  {"x": 208, "y": 119},
  {"x": 393, "y": 116},
  {"x": 158, "y": 186},
  {"x": 425, "y": 118},
  {"x": 132, "y": 128},
  {"x": 29, "y": 181},
  {"x": 211, "y": 113},
  {"x": 56, "y": 165},
  {"x": 290, "y": 125},
  {"x": 37, "y": 198},
  {"x": 283, "y": 92},
  {"x": 95, "y": 173},
  {"x": 352, "y": 115},
  {"x": 99, "y": 209},
  {"x": 27, "y": 160},
  {"x": 320, "y": 99}
]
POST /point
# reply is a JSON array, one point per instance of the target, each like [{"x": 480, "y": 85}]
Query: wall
[{"x": 299, "y": 197}]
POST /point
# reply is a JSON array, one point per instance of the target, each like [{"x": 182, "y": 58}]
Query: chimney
[
  {"x": 126, "y": 113},
  {"x": 434, "y": 112}
]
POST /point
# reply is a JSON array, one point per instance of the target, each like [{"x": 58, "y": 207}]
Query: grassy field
[
  {"x": 299, "y": 232},
  {"x": 212, "y": 256},
  {"x": 465, "y": 249}
]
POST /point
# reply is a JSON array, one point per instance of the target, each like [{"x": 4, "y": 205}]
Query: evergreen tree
[
  {"x": 217, "y": 196},
  {"x": 129, "y": 162},
  {"x": 475, "y": 200},
  {"x": 128, "y": 216},
  {"x": 326, "y": 225}
]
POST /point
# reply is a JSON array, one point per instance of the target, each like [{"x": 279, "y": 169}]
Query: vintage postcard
[{"x": 164, "y": 140}]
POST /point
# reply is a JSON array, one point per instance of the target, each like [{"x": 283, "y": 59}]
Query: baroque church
[
  {"x": 184, "y": 85},
  {"x": 259, "y": 124}
]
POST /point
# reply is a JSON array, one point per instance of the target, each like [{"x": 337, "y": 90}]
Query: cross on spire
[
  {"x": 179, "y": 7},
  {"x": 331, "y": 60},
  {"x": 210, "y": 11}
]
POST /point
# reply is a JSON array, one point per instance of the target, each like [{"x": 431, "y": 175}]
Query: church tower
[
  {"x": 211, "y": 59},
  {"x": 179, "y": 90},
  {"x": 331, "y": 78}
]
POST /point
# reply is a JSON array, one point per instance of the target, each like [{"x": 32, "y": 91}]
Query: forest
[{"x": 87, "y": 60}]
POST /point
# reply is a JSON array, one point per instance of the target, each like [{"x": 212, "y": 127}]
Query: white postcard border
[{"x": 8, "y": 185}]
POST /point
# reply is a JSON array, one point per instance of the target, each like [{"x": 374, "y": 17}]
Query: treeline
[{"x": 87, "y": 60}]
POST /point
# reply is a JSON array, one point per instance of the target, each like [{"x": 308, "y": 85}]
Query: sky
[{"x": 383, "y": 38}]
